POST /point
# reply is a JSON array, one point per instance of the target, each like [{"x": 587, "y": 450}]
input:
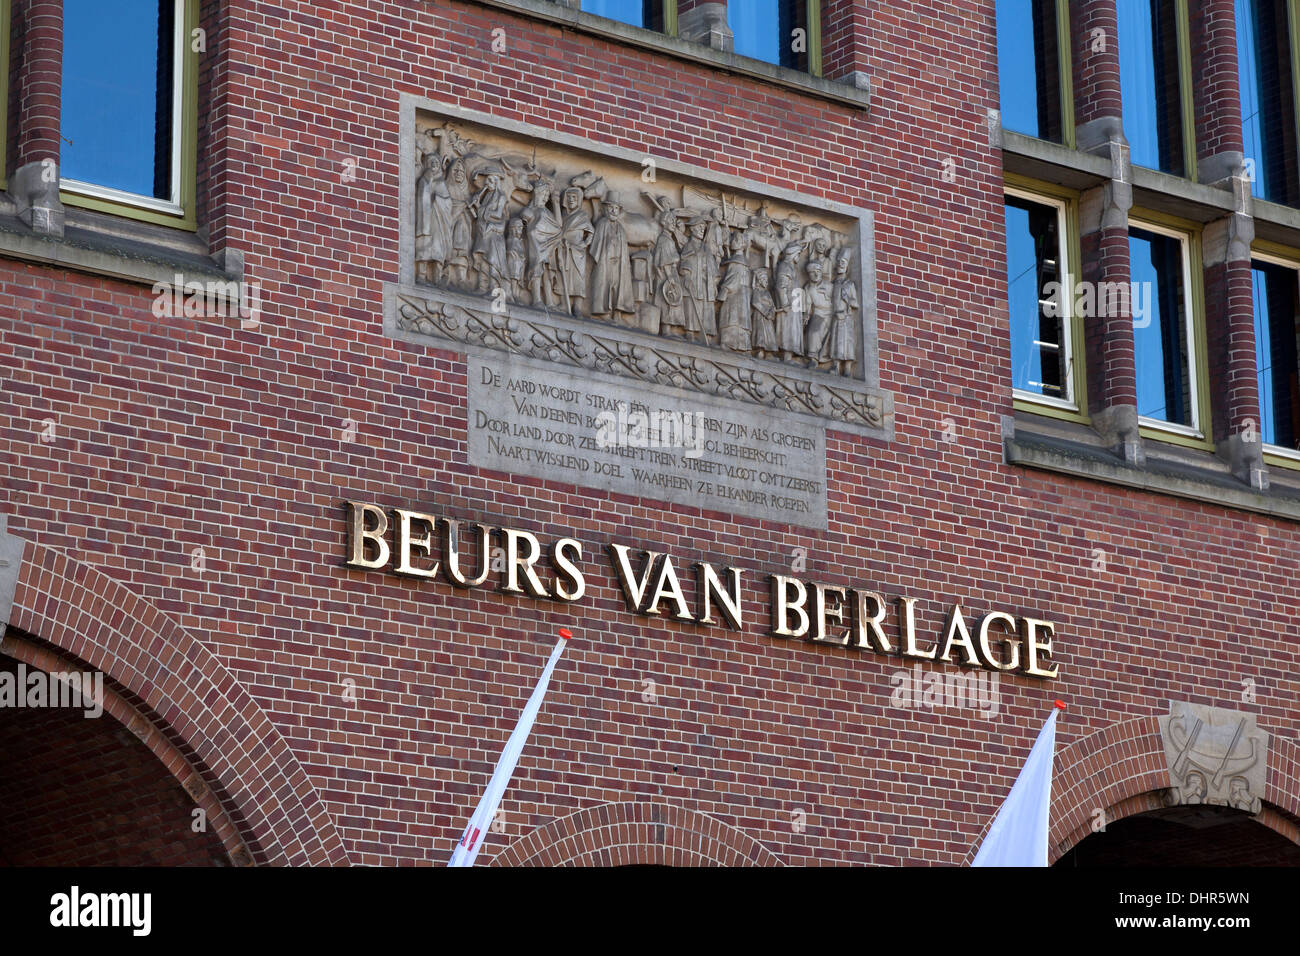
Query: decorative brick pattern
[
  {"x": 631, "y": 834},
  {"x": 176, "y": 434},
  {"x": 177, "y": 698}
]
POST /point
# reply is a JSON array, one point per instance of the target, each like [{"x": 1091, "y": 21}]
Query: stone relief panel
[
  {"x": 1216, "y": 756},
  {"x": 558, "y": 249}
]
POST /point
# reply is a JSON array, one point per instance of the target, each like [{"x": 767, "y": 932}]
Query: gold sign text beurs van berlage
[{"x": 467, "y": 555}]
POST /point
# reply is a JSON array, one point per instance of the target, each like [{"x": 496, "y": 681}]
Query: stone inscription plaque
[{"x": 532, "y": 419}]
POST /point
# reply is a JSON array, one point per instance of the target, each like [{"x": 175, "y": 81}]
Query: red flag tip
[
  {"x": 566, "y": 634},
  {"x": 1060, "y": 704}
]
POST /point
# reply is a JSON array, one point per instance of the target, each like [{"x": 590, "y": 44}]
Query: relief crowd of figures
[{"x": 702, "y": 270}]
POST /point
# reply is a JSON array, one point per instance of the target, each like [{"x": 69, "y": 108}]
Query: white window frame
[
  {"x": 1065, "y": 270},
  {"x": 171, "y": 206},
  {"x": 1281, "y": 451},
  {"x": 1196, "y": 429}
]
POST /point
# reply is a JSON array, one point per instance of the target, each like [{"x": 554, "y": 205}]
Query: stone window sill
[
  {"x": 1070, "y": 448},
  {"x": 848, "y": 94},
  {"x": 120, "y": 249}
]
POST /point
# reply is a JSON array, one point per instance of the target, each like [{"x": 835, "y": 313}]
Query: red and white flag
[
  {"x": 1018, "y": 834},
  {"x": 472, "y": 840}
]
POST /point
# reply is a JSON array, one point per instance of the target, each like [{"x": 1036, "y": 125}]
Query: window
[
  {"x": 1165, "y": 341},
  {"x": 1040, "y": 297},
  {"x": 638, "y": 13},
  {"x": 1152, "y": 54},
  {"x": 1032, "y": 79},
  {"x": 1275, "y": 288},
  {"x": 784, "y": 32},
  {"x": 129, "y": 91},
  {"x": 4, "y": 86},
  {"x": 1267, "y": 97}
]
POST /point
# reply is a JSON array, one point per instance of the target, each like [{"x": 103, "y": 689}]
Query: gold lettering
[
  {"x": 451, "y": 554},
  {"x": 988, "y": 655},
  {"x": 515, "y": 562},
  {"x": 870, "y": 633},
  {"x": 708, "y": 587},
  {"x": 782, "y": 606},
  {"x": 406, "y": 542},
  {"x": 570, "y": 585},
  {"x": 907, "y": 629},
  {"x": 824, "y": 612},
  {"x": 358, "y": 536},
  {"x": 957, "y": 633},
  {"x": 1030, "y": 628}
]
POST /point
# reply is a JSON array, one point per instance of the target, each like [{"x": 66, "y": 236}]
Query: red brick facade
[{"x": 171, "y": 435}]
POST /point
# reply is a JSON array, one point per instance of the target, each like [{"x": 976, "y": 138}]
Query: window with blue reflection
[
  {"x": 765, "y": 30},
  {"x": 639, "y": 13},
  {"x": 1029, "y": 78},
  {"x": 1039, "y": 349},
  {"x": 1149, "y": 83},
  {"x": 1267, "y": 97},
  {"x": 1159, "y": 305},
  {"x": 1275, "y": 289},
  {"x": 119, "y": 94}
]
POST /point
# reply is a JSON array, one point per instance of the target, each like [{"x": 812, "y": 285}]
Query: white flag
[
  {"x": 1018, "y": 836},
  {"x": 472, "y": 840}
]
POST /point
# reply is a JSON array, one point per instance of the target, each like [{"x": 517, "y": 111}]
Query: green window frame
[
  {"x": 1075, "y": 408},
  {"x": 1293, "y": 40},
  {"x": 1198, "y": 434},
  {"x": 813, "y": 9},
  {"x": 179, "y": 212},
  {"x": 1186, "y": 97},
  {"x": 1065, "y": 74},
  {"x": 5, "y": 29},
  {"x": 1288, "y": 258}
]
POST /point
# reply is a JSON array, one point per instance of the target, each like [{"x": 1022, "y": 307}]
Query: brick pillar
[
  {"x": 1229, "y": 310},
  {"x": 1103, "y": 226},
  {"x": 34, "y": 186},
  {"x": 845, "y": 55}
]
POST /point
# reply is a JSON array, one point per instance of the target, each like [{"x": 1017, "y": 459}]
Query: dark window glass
[
  {"x": 764, "y": 30},
  {"x": 1039, "y": 350},
  {"x": 1029, "y": 75},
  {"x": 1267, "y": 97},
  {"x": 1274, "y": 288},
  {"x": 639, "y": 13},
  {"x": 1159, "y": 305},
  {"x": 1149, "y": 83},
  {"x": 118, "y": 94}
]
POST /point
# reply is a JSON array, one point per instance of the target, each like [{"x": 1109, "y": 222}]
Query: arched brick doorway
[
  {"x": 1118, "y": 777},
  {"x": 172, "y": 692},
  {"x": 636, "y": 834}
]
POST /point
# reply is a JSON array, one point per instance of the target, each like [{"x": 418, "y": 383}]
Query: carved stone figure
[
  {"x": 764, "y": 307},
  {"x": 844, "y": 326},
  {"x": 489, "y": 209},
  {"x": 433, "y": 223},
  {"x": 542, "y": 238},
  {"x": 699, "y": 275},
  {"x": 516, "y": 258},
  {"x": 698, "y": 264},
  {"x": 1215, "y": 756},
  {"x": 575, "y": 238},
  {"x": 817, "y": 298},
  {"x": 611, "y": 276},
  {"x": 735, "y": 328},
  {"x": 789, "y": 304},
  {"x": 462, "y": 225}
]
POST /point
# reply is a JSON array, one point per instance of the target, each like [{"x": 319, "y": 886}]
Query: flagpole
[{"x": 471, "y": 840}]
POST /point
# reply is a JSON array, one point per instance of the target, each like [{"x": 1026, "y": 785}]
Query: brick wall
[{"x": 176, "y": 435}]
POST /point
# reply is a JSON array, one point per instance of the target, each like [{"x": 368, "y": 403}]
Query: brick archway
[
  {"x": 190, "y": 699},
  {"x": 646, "y": 833},
  {"x": 1122, "y": 770}
]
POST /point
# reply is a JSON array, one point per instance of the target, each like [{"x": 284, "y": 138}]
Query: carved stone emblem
[
  {"x": 1216, "y": 756},
  {"x": 553, "y": 248}
]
